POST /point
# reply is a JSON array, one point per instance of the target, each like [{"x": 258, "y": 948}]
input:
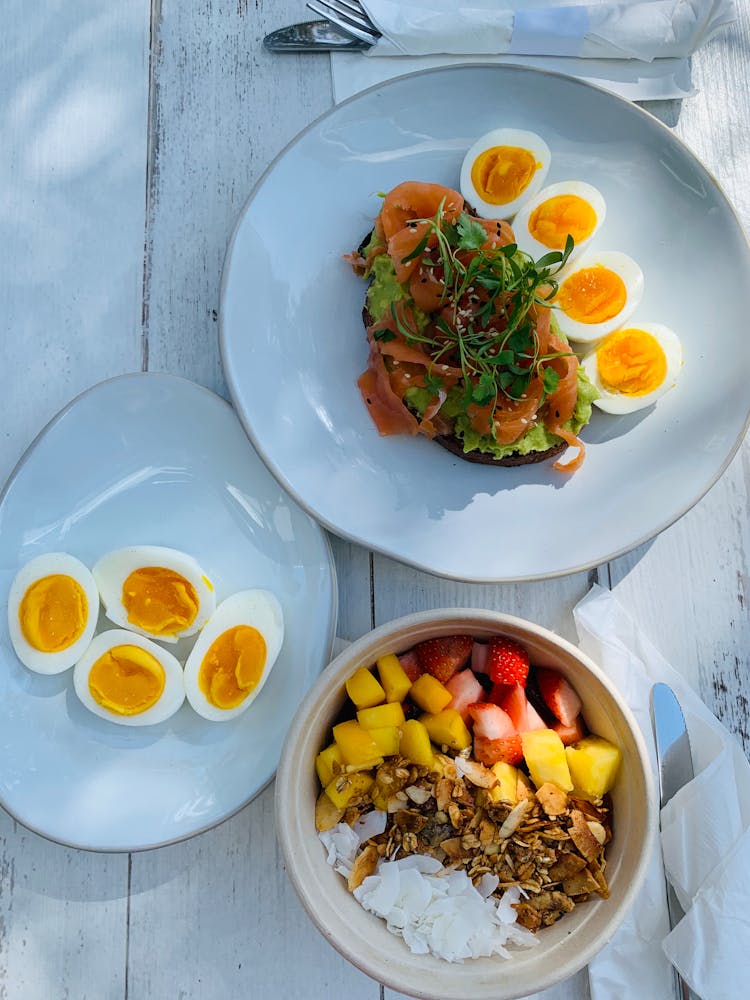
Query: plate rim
[
  {"x": 328, "y": 642},
  {"x": 629, "y": 107}
]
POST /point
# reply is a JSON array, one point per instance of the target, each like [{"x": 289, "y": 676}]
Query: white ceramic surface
[
  {"x": 362, "y": 937},
  {"x": 293, "y": 343},
  {"x": 157, "y": 460}
]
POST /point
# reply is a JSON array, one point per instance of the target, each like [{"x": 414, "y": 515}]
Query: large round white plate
[
  {"x": 153, "y": 459},
  {"x": 293, "y": 342}
]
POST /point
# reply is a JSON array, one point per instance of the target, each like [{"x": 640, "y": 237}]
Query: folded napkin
[
  {"x": 705, "y": 836},
  {"x": 638, "y": 49}
]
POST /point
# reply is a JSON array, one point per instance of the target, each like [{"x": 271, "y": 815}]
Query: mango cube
[
  {"x": 326, "y": 813},
  {"x": 357, "y": 747},
  {"x": 447, "y": 727},
  {"x": 545, "y": 758},
  {"x": 393, "y": 678},
  {"x": 430, "y": 694},
  {"x": 415, "y": 743},
  {"x": 344, "y": 787},
  {"x": 324, "y": 763},
  {"x": 593, "y": 763},
  {"x": 506, "y": 789},
  {"x": 387, "y": 739},
  {"x": 364, "y": 689},
  {"x": 390, "y": 714}
]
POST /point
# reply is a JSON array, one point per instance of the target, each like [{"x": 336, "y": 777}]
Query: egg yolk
[
  {"x": 53, "y": 613},
  {"x": 552, "y": 220},
  {"x": 501, "y": 173},
  {"x": 126, "y": 680},
  {"x": 592, "y": 295},
  {"x": 232, "y": 666},
  {"x": 631, "y": 362},
  {"x": 159, "y": 600}
]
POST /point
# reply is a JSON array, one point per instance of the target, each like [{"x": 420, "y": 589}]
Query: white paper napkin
[
  {"x": 705, "y": 836},
  {"x": 638, "y": 49}
]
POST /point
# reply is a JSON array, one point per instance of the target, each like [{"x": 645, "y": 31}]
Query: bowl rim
[{"x": 287, "y": 781}]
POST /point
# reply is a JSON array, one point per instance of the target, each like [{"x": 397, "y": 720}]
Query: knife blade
[
  {"x": 312, "y": 36},
  {"x": 675, "y": 770}
]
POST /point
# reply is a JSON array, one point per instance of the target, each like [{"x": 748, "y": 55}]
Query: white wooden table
[{"x": 131, "y": 134}]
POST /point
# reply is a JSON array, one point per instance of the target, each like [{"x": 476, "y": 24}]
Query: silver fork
[{"x": 349, "y": 16}]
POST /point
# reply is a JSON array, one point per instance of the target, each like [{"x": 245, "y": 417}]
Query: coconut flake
[
  {"x": 342, "y": 844},
  {"x": 372, "y": 824}
]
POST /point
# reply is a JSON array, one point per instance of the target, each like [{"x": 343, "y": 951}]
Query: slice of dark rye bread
[{"x": 456, "y": 446}]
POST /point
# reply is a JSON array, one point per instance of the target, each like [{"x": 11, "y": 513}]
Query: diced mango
[
  {"x": 393, "y": 678},
  {"x": 430, "y": 694},
  {"x": 390, "y": 714},
  {"x": 324, "y": 763},
  {"x": 447, "y": 727},
  {"x": 344, "y": 787},
  {"x": 356, "y": 745},
  {"x": 593, "y": 763},
  {"x": 506, "y": 789},
  {"x": 545, "y": 758},
  {"x": 326, "y": 813},
  {"x": 415, "y": 743},
  {"x": 387, "y": 739},
  {"x": 364, "y": 689}
]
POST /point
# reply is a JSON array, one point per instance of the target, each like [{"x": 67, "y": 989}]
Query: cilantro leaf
[
  {"x": 472, "y": 234},
  {"x": 550, "y": 380}
]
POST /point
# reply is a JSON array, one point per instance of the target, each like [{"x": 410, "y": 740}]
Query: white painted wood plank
[{"x": 73, "y": 119}]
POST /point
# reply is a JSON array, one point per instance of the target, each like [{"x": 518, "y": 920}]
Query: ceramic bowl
[{"x": 361, "y": 937}]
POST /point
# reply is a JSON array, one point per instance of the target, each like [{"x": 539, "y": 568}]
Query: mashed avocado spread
[{"x": 384, "y": 290}]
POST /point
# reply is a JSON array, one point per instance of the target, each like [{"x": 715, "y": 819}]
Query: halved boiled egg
[
  {"x": 158, "y": 592},
  {"x": 598, "y": 293},
  {"x": 503, "y": 169},
  {"x": 233, "y": 655},
  {"x": 633, "y": 367},
  {"x": 569, "y": 208},
  {"x": 128, "y": 679},
  {"x": 53, "y": 606}
]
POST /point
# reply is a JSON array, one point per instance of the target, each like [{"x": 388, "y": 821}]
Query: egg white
[
  {"x": 49, "y": 564},
  {"x": 171, "y": 698},
  {"x": 632, "y": 277},
  {"x": 257, "y": 608},
  {"x": 618, "y": 402},
  {"x": 111, "y": 571},
  {"x": 504, "y": 137},
  {"x": 529, "y": 244}
]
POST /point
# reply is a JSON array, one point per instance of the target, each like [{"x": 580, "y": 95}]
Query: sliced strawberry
[
  {"x": 507, "y": 661},
  {"x": 489, "y": 752},
  {"x": 443, "y": 657},
  {"x": 466, "y": 690},
  {"x": 479, "y": 657},
  {"x": 559, "y": 696},
  {"x": 498, "y": 692},
  {"x": 411, "y": 666},
  {"x": 511, "y": 698},
  {"x": 533, "y": 719},
  {"x": 490, "y": 721},
  {"x": 572, "y": 733}
]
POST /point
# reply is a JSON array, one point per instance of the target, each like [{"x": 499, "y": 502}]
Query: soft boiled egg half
[
  {"x": 569, "y": 208},
  {"x": 597, "y": 294},
  {"x": 158, "y": 592},
  {"x": 128, "y": 679},
  {"x": 233, "y": 655},
  {"x": 53, "y": 606},
  {"x": 503, "y": 169},
  {"x": 634, "y": 366}
]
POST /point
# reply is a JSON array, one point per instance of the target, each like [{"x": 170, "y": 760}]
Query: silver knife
[
  {"x": 675, "y": 770},
  {"x": 312, "y": 36}
]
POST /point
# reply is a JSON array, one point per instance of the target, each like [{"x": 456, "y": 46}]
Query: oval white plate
[
  {"x": 158, "y": 460},
  {"x": 293, "y": 343}
]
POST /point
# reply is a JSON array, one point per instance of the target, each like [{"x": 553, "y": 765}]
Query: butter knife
[
  {"x": 675, "y": 770},
  {"x": 312, "y": 36}
]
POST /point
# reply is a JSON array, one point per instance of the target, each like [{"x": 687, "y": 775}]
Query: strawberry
[
  {"x": 507, "y": 749},
  {"x": 466, "y": 690},
  {"x": 490, "y": 721},
  {"x": 558, "y": 695},
  {"x": 507, "y": 661},
  {"x": 572, "y": 733},
  {"x": 479, "y": 658},
  {"x": 410, "y": 665},
  {"x": 443, "y": 657}
]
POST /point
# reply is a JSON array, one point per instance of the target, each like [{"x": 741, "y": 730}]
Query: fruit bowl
[{"x": 564, "y": 947}]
